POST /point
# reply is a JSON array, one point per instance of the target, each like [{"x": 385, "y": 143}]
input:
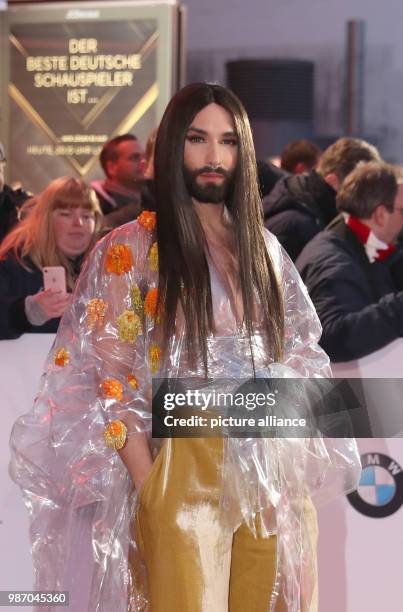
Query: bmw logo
[{"x": 380, "y": 492}]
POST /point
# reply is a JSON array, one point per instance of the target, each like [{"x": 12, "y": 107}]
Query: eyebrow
[{"x": 204, "y": 133}]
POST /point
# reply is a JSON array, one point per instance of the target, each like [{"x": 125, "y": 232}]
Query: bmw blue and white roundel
[{"x": 380, "y": 492}]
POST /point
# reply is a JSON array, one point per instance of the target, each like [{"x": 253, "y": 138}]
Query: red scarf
[{"x": 373, "y": 246}]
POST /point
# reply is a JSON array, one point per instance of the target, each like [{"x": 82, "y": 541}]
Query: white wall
[{"x": 310, "y": 29}]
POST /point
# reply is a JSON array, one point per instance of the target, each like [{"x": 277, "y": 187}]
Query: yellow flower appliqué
[
  {"x": 155, "y": 358},
  {"x": 147, "y": 219},
  {"x": 112, "y": 388},
  {"x": 129, "y": 326},
  {"x": 96, "y": 309},
  {"x": 115, "y": 435},
  {"x": 132, "y": 380},
  {"x": 137, "y": 300},
  {"x": 62, "y": 357},
  {"x": 154, "y": 257},
  {"x": 119, "y": 259}
]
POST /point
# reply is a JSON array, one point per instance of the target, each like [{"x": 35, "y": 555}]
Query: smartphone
[{"x": 54, "y": 277}]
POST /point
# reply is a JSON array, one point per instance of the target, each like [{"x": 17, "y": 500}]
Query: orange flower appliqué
[
  {"x": 112, "y": 388},
  {"x": 132, "y": 380},
  {"x": 119, "y": 259},
  {"x": 150, "y": 305},
  {"x": 62, "y": 357},
  {"x": 96, "y": 309},
  {"x": 155, "y": 358},
  {"x": 150, "y": 302},
  {"x": 147, "y": 219}
]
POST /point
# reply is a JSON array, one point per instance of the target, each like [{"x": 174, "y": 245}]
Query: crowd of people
[
  {"x": 304, "y": 206},
  {"x": 340, "y": 223},
  {"x": 59, "y": 226}
]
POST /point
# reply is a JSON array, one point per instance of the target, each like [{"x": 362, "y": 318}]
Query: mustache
[{"x": 208, "y": 169}]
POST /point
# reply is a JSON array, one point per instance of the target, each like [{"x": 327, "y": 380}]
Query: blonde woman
[{"x": 59, "y": 229}]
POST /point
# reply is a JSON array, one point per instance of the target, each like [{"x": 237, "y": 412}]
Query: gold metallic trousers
[{"x": 194, "y": 563}]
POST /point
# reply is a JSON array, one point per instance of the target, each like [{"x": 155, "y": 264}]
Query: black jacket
[
  {"x": 16, "y": 284},
  {"x": 298, "y": 208},
  {"x": 10, "y": 201},
  {"x": 268, "y": 175},
  {"x": 147, "y": 195},
  {"x": 360, "y": 304}
]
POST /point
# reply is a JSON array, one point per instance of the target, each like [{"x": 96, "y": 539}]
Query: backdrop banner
[{"x": 77, "y": 78}]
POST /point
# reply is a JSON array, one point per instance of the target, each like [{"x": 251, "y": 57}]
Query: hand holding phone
[{"x": 49, "y": 304}]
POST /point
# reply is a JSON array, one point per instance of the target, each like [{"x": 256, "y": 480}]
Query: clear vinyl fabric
[{"x": 78, "y": 492}]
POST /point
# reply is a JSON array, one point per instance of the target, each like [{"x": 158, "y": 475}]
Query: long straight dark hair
[{"x": 183, "y": 270}]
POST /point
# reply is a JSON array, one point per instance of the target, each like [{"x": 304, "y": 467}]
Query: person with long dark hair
[{"x": 197, "y": 291}]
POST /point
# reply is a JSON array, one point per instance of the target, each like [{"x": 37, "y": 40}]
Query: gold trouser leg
[
  {"x": 194, "y": 562},
  {"x": 253, "y": 571},
  {"x": 186, "y": 550}
]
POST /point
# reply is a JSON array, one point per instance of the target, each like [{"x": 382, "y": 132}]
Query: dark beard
[{"x": 210, "y": 193}]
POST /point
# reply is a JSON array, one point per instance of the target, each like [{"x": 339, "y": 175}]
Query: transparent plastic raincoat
[{"x": 78, "y": 492}]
